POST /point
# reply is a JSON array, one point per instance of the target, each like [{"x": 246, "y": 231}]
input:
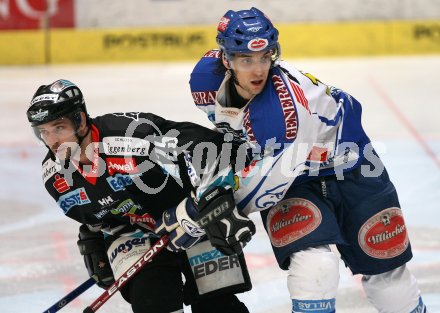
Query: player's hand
[
  {"x": 92, "y": 248},
  {"x": 228, "y": 229},
  {"x": 179, "y": 224}
]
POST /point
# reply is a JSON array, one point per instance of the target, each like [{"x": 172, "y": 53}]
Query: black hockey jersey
[{"x": 139, "y": 170}]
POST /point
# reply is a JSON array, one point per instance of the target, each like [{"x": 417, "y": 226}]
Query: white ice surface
[{"x": 39, "y": 262}]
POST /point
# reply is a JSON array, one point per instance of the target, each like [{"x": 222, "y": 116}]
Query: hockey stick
[
  {"x": 71, "y": 296},
  {"x": 140, "y": 263}
]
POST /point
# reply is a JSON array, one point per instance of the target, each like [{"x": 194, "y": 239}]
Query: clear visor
[
  {"x": 253, "y": 61},
  {"x": 59, "y": 136}
]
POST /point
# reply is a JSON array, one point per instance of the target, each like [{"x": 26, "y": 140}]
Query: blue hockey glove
[{"x": 179, "y": 224}]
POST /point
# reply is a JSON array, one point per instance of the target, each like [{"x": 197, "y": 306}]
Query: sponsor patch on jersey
[
  {"x": 229, "y": 112},
  {"x": 127, "y": 206},
  {"x": 106, "y": 201},
  {"x": 289, "y": 111},
  {"x": 49, "y": 169},
  {"x": 125, "y": 146},
  {"x": 257, "y": 44},
  {"x": 212, "y": 269},
  {"x": 125, "y": 251},
  {"x": 73, "y": 198},
  {"x": 291, "y": 220},
  {"x": 214, "y": 53},
  {"x": 384, "y": 235},
  {"x": 121, "y": 165},
  {"x": 60, "y": 184},
  {"x": 145, "y": 219},
  {"x": 192, "y": 174},
  {"x": 248, "y": 126},
  {"x": 318, "y": 154},
  {"x": 119, "y": 181},
  {"x": 204, "y": 97}
]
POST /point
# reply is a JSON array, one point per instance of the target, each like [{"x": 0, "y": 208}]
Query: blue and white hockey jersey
[{"x": 297, "y": 129}]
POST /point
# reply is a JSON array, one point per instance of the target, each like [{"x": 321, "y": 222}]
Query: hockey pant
[
  {"x": 158, "y": 286},
  {"x": 361, "y": 215}
]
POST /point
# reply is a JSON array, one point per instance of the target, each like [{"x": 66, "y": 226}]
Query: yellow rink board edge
[{"x": 189, "y": 43}]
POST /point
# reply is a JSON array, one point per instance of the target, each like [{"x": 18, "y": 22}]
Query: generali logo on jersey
[
  {"x": 121, "y": 165},
  {"x": 289, "y": 111},
  {"x": 204, "y": 97},
  {"x": 384, "y": 235},
  {"x": 291, "y": 220}
]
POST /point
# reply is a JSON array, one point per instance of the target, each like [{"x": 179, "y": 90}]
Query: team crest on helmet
[
  {"x": 40, "y": 115},
  {"x": 224, "y": 21},
  {"x": 257, "y": 44}
]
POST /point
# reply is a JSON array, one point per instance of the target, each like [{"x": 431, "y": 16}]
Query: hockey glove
[
  {"x": 183, "y": 230},
  {"x": 228, "y": 229},
  {"x": 92, "y": 248}
]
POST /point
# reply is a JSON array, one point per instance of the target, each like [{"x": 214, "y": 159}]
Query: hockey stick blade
[
  {"x": 132, "y": 270},
  {"x": 71, "y": 296}
]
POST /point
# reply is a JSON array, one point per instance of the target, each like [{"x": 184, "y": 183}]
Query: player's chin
[{"x": 257, "y": 89}]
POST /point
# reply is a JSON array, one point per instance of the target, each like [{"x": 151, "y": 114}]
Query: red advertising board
[{"x": 30, "y": 14}]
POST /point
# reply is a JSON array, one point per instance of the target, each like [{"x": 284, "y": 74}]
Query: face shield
[
  {"x": 252, "y": 61},
  {"x": 60, "y": 136}
]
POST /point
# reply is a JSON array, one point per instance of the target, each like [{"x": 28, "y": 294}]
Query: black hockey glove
[
  {"x": 91, "y": 245},
  {"x": 228, "y": 229}
]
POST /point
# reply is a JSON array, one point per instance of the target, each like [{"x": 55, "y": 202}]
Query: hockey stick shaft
[
  {"x": 71, "y": 296},
  {"x": 132, "y": 270}
]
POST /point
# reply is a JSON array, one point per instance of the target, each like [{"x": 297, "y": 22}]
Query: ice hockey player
[
  {"x": 311, "y": 170},
  {"x": 117, "y": 174}
]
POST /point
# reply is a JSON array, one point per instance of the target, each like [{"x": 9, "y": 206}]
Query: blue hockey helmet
[{"x": 246, "y": 31}]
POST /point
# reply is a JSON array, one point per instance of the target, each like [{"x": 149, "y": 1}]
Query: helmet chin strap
[
  {"x": 81, "y": 138},
  {"x": 234, "y": 78}
]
